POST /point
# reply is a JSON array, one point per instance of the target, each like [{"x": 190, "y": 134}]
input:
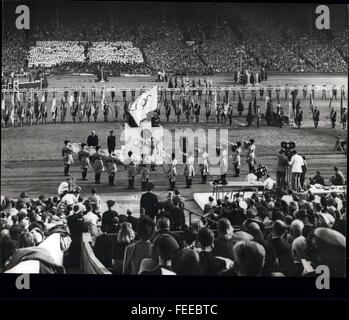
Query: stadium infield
[{"x": 31, "y": 156}]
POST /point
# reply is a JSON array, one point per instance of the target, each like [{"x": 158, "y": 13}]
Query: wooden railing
[{"x": 89, "y": 263}]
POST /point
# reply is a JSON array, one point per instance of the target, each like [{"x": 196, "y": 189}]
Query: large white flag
[{"x": 145, "y": 103}]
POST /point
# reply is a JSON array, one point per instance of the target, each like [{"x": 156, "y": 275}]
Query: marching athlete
[
  {"x": 333, "y": 117},
  {"x": 97, "y": 162},
  {"x": 344, "y": 118},
  {"x": 130, "y": 169},
  {"x": 54, "y": 108},
  {"x": 223, "y": 164},
  {"x": 299, "y": 115},
  {"x": 95, "y": 110},
  {"x": 172, "y": 172},
  {"x": 43, "y": 110},
  {"x": 110, "y": 162},
  {"x": 204, "y": 168},
  {"x": 189, "y": 171},
  {"x": 208, "y": 111},
  {"x": 84, "y": 158},
  {"x": 251, "y": 155},
  {"x": 167, "y": 110},
  {"x": 67, "y": 154},
  {"x": 316, "y": 116}
]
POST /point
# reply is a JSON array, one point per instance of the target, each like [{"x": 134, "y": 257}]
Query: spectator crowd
[
  {"x": 150, "y": 44},
  {"x": 265, "y": 235}
]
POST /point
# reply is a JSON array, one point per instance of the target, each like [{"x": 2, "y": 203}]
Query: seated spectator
[
  {"x": 223, "y": 245},
  {"x": 249, "y": 257},
  {"x": 7, "y": 247},
  {"x": 163, "y": 227},
  {"x": 296, "y": 229},
  {"x": 186, "y": 262},
  {"x": 210, "y": 265},
  {"x": 327, "y": 247},
  {"x": 141, "y": 249},
  {"x": 124, "y": 238},
  {"x": 165, "y": 246},
  {"x": 278, "y": 248}
]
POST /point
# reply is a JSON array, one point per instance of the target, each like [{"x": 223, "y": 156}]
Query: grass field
[{"x": 31, "y": 156}]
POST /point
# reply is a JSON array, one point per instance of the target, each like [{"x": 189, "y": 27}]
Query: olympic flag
[{"x": 145, "y": 103}]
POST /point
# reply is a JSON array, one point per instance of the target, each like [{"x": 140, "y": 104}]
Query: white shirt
[
  {"x": 251, "y": 177},
  {"x": 287, "y": 198},
  {"x": 269, "y": 183},
  {"x": 70, "y": 199},
  {"x": 64, "y": 186},
  {"x": 296, "y": 164}
]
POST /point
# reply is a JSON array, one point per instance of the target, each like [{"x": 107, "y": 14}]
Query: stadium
[{"x": 272, "y": 87}]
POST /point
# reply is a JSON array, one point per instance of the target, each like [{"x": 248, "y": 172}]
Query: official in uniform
[
  {"x": 84, "y": 158},
  {"x": 223, "y": 164},
  {"x": 92, "y": 140},
  {"x": 67, "y": 154},
  {"x": 111, "y": 142},
  {"x": 131, "y": 170}
]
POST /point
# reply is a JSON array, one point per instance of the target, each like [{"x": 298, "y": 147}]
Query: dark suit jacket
[
  {"x": 92, "y": 141},
  {"x": 107, "y": 219},
  {"x": 150, "y": 202},
  {"x": 280, "y": 249}
]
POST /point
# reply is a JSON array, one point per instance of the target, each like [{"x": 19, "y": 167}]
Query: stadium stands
[
  {"x": 278, "y": 231},
  {"x": 159, "y": 42}
]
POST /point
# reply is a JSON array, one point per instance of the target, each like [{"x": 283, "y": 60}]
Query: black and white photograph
[{"x": 174, "y": 139}]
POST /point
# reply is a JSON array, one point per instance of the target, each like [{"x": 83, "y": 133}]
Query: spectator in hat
[
  {"x": 149, "y": 202},
  {"x": 177, "y": 198},
  {"x": 107, "y": 217},
  {"x": 327, "y": 247},
  {"x": 95, "y": 201},
  {"x": 298, "y": 253},
  {"x": 165, "y": 247},
  {"x": 115, "y": 224},
  {"x": 131, "y": 219},
  {"x": 141, "y": 249},
  {"x": 210, "y": 265}
]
